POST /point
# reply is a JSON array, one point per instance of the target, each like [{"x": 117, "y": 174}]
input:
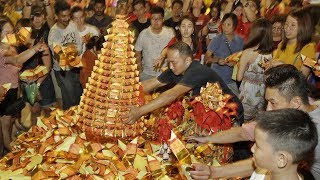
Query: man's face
[
  {"x": 263, "y": 155},
  {"x": 38, "y": 21},
  {"x": 177, "y": 64},
  {"x": 139, "y": 10},
  {"x": 78, "y": 18},
  {"x": 227, "y": 26},
  {"x": 99, "y": 9},
  {"x": 156, "y": 21},
  {"x": 276, "y": 100},
  {"x": 64, "y": 18},
  {"x": 176, "y": 10}
]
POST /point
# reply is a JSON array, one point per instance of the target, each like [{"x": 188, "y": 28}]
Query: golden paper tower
[{"x": 113, "y": 87}]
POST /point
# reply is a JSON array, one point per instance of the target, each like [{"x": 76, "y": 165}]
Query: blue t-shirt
[{"x": 220, "y": 49}]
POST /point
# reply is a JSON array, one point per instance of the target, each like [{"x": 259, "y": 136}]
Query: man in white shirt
[
  {"x": 86, "y": 31},
  {"x": 64, "y": 32},
  {"x": 150, "y": 43}
]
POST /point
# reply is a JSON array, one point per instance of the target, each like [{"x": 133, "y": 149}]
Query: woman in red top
[
  {"x": 187, "y": 35},
  {"x": 88, "y": 58}
]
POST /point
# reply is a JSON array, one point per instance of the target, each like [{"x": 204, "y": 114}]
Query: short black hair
[
  {"x": 176, "y": 2},
  {"x": 100, "y": 2},
  {"x": 76, "y": 9},
  {"x": 183, "y": 48},
  {"x": 157, "y": 10},
  {"x": 61, "y": 6},
  {"x": 289, "y": 130},
  {"x": 142, "y": 2},
  {"x": 233, "y": 17},
  {"x": 289, "y": 81}
]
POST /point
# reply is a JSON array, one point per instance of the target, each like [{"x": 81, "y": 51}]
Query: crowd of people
[{"x": 191, "y": 40}]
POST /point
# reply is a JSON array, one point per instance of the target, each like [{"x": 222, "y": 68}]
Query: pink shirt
[
  {"x": 248, "y": 128},
  {"x": 8, "y": 72}
]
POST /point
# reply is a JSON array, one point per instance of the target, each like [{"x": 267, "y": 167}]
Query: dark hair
[
  {"x": 235, "y": 5},
  {"x": 295, "y": 3},
  {"x": 289, "y": 81},
  {"x": 314, "y": 12},
  {"x": 278, "y": 18},
  {"x": 183, "y": 48},
  {"x": 261, "y": 34},
  {"x": 24, "y": 22},
  {"x": 142, "y": 2},
  {"x": 95, "y": 41},
  {"x": 61, "y": 6},
  {"x": 76, "y": 9},
  {"x": 217, "y": 6},
  {"x": 233, "y": 17},
  {"x": 289, "y": 130},
  {"x": 194, "y": 36},
  {"x": 305, "y": 30},
  {"x": 176, "y": 2},
  {"x": 99, "y": 2},
  {"x": 157, "y": 10}
]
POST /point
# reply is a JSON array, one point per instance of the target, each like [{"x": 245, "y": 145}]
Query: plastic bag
[{"x": 32, "y": 92}]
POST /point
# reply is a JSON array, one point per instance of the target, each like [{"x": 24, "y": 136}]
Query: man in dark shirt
[
  {"x": 142, "y": 22},
  {"x": 187, "y": 75},
  {"x": 99, "y": 19},
  {"x": 176, "y": 12}
]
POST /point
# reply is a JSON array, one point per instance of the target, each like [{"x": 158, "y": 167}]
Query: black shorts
[{"x": 10, "y": 98}]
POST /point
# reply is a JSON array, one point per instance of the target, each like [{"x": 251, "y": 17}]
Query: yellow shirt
[{"x": 288, "y": 56}]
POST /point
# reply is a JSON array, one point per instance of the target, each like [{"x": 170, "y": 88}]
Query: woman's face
[
  {"x": 277, "y": 29},
  {"x": 238, "y": 11},
  {"x": 6, "y": 29},
  {"x": 227, "y": 26},
  {"x": 186, "y": 28},
  {"x": 214, "y": 13},
  {"x": 291, "y": 28}
]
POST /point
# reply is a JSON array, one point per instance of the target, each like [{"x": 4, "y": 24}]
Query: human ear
[
  {"x": 296, "y": 102},
  {"x": 283, "y": 158},
  {"x": 188, "y": 60}
]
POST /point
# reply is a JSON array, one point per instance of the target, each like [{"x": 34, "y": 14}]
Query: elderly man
[{"x": 186, "y": 74}]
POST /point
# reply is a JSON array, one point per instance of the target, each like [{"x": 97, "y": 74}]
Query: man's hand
[
  {"x": 201, "y": 171},
  {"x": 198, "y": 139},
  {"x": 133, "y": 115}
]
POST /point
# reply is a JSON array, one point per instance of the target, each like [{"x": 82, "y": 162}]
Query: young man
[
  {"x": 286, "y": 87},
  {"x": 187, "y": 75},
  {"x": 62, "y": 33},
  {"x": 142, "y": 22},
  {"x": 176, "y": 12},
  {"x": 99, "y": 19},
  {"x": 150, "y": 43},
  {"x": 284, "y": 138},
  {"x": 85, "y": 30}
]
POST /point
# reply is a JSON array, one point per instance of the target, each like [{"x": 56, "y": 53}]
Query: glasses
[{"x": 277, "y": 28}]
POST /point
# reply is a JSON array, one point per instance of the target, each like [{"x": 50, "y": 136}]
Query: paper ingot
[
  {"x": 154, "y": 166},
  {"x": 308, "y": 61},
  {"x": 203, "y": 150},
  {"x": 33, "y": 74},
  {"x": 234, "y": 58},
  {"x": 10, "y": 39},
  {"x": 179, "y": 149}
]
